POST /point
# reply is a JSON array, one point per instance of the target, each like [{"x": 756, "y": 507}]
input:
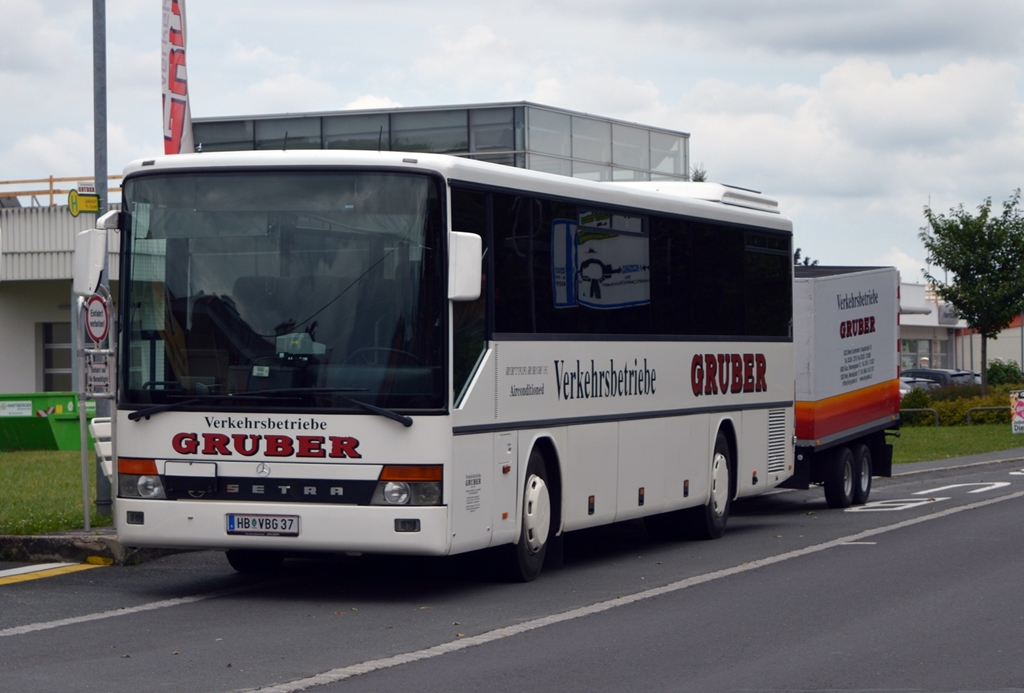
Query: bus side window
[{"x": 469, "y": 328}]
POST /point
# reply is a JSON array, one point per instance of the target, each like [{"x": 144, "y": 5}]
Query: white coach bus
[{"x": 422, "y": 354}]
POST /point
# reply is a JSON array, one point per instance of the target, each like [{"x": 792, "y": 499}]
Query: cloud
[
  {"x": 368, "y": 101},
  {"x": 64, "y": 152},
  {"x": 602, "y": 94},
  {"x": 475, "y": 58},
  {"x": 260, "y": 56},
  {"x": 36, "y": 40},
  {"x": 966, "y": 101},
  {"x": 909, "y": 267},
  {"x": 794, "y": 27},
  {"x": 290, "y": 93}
]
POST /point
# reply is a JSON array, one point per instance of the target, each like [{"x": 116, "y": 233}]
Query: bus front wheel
[{"x": 524, "y": 559}]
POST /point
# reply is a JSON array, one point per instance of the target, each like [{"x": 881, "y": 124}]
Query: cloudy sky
[{"x": 855, "y": 115}]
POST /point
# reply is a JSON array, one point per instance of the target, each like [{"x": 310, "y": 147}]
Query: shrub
[
  {"x": 954, "y": 412},
  {"x": 1004, "y": 372},
  {"x": 949, "y": 392},
  {"x": 917, "y": 399}
]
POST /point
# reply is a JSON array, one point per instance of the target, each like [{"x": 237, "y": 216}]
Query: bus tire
[
  {"x": 524, "y": 559},
  {"x": 708, "y": 521},
  {"x": 861, "y": 474},
  {"x": 255, "y": 562},
  {"x": 839, "y": 480}
]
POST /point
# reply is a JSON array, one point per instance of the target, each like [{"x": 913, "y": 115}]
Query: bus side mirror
[
  {"x": 90, "y": 253},
  {"x": 464, "y": 266}
]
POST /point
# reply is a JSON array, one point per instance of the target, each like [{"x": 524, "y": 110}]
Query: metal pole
[
  {"x": 83, "y": 438},
  {"x": 99, "y": 101}
]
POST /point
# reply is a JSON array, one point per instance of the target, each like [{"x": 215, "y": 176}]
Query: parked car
[
  {"x": 908, "y": 384},
  {"x": 940, "y": 376}
]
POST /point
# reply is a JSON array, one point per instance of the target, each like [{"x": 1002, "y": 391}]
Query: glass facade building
[{"x": 520, "y": 134}]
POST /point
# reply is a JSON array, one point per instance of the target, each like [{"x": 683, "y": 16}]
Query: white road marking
[
  {"x": 151, "y": 606},
  {"x": 983, "y": 463},
  {"x": 342, "y": 673},
  {"x": 32, "y": 569},
  {"x": 860, "y": 543},
  {"x": 986, "y": 486},
  {"x": 891, "y": 504}
]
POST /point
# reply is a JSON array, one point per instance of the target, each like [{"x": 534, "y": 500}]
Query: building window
[{"x": 57, "y": 357}]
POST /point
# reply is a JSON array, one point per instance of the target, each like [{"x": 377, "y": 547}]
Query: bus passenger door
[{"x": 506, "y": 474}]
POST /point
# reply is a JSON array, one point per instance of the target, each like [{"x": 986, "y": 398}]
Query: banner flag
[{"x": 177, "y": 115}]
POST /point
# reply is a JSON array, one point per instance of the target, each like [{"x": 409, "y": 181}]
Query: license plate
[{"x": 264, "y": 525}]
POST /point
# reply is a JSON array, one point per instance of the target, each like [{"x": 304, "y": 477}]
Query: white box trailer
[{"x": 847, "y": 395}]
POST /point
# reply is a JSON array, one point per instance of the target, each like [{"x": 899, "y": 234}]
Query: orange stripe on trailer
[{"x": 824, "y": 417}]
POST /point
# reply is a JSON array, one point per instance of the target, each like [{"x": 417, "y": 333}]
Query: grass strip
[
  {"x": 925, "y": 443},
  {"x": 41, "y": 491}
]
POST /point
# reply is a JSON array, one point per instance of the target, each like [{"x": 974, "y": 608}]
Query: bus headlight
[
  {"x": 396, "y": 492},
  {"x": 140, "y": 486},
  {"x": 426, "y": 493},
  {"x": 408, "y": 485}
]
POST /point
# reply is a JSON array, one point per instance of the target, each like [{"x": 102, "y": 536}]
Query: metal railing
[
  {"x": 50, "y": 190},
  {"x": 973, "y": 409},
  {"x": 985, "y": 409}
]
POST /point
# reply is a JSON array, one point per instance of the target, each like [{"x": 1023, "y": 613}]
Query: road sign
[
  {"x": 97, "y": 319},
  {"x": 97, "y": 376},
  {"x": 1017, "y": 409},
  {"x": 79, "y": 202}
]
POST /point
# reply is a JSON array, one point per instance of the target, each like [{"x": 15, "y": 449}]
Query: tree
[
  {"x": 806, "y": 260},
  {"x": 699, "y": 174},
  {"x": 984, "y": 257}
]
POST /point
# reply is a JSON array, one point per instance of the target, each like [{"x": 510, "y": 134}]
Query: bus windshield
[{"x": 299, "y": 285}]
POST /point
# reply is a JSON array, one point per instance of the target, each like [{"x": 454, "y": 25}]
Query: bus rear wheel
[
  {"x": 255, "y": 562},
  {"x": 524, "y": 559},
  {"x": 839, "y": 481},
  {"x": 708, "y": 521}
]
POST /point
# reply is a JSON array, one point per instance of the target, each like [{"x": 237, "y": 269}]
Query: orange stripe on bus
[{"x": 824, "y": 417}]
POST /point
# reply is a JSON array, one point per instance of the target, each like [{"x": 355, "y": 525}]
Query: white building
[{"x": 36, "y": 266}]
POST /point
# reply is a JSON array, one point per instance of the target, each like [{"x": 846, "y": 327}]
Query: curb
[{"x": 102, "y": 549}]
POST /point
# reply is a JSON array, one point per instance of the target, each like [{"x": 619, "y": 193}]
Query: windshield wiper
[
  {"x": 185, "y": 401},
  {"x": 337, "y": 392},
  {"x": 288, "y": 392}
]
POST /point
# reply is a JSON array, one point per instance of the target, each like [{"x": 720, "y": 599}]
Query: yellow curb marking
[{"x": 46, "y": 573}]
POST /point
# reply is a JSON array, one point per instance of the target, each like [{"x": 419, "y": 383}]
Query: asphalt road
[{"x": 920, "y": 590}]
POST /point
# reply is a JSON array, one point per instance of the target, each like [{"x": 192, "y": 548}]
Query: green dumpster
[{"x": 41, "y": 421}]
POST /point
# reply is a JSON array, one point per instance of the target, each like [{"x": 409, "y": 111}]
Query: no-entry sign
[{"x": 97, "y": 319}]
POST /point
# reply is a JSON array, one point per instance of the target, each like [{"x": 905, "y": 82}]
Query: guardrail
[
  {"x": 50, "y": 190},
  {"x": 984, "y": 409},
  {"x": 902, "y": 411}
]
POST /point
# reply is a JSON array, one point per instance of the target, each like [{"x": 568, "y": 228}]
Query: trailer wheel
[
  {"x": 522, "y": 561},
  {"x": 708, "y": 521},
  {"x": 254, "y": 562},
  {"x": 861, "y": 474},
  {"x": 839, "y": 479}
]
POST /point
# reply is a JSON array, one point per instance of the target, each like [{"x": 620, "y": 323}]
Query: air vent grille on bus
[{"x": 776, "y": 441}]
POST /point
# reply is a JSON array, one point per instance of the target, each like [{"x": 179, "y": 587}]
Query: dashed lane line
[
  {"x": 127, "y": 611},
  {"x": 342, "y": 673}
]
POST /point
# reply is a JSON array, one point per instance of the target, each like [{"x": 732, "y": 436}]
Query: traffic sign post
[
  {"x": 83, "y": 202},
  {"x": 96, "y": 367}
]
